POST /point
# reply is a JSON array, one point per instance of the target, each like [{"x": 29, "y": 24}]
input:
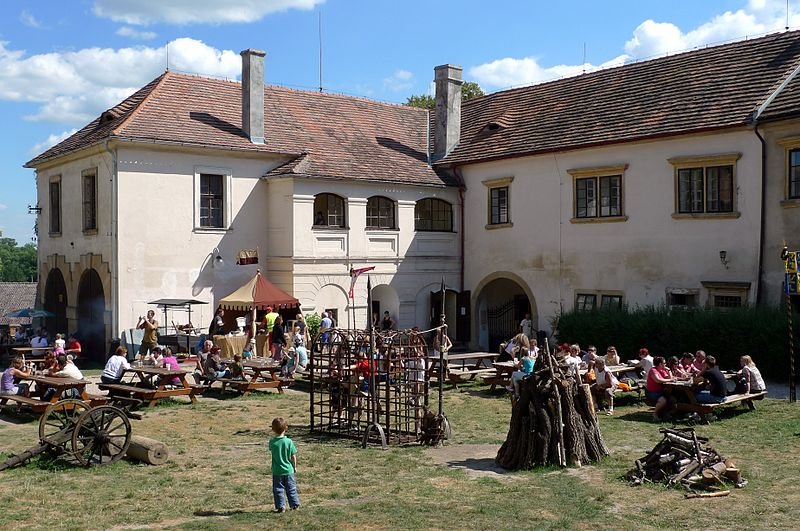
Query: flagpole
[{"x": 373, "y": 392}]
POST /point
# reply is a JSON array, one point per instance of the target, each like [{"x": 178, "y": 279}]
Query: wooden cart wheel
[
  {"x": 101, "y": 436},
  {"x": 56, "y": 423}
]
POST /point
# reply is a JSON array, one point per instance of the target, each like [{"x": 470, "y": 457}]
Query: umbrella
[{"x": 31, "y": 313}]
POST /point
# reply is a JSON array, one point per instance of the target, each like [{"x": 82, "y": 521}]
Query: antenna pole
[
  {"x": 787, "y": 15},
  {"x": 166, "y": 48},
  {"x": 584, "y": 58},
  {"x": 319, "y": 19}
]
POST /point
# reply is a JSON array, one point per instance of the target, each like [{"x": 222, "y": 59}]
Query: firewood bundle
[
  {"x": 683, "y": 458},
  {"x": 552, "y": 422}
]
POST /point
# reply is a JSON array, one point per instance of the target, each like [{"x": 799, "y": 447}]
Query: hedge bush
[{"x": 761, "y": 332}]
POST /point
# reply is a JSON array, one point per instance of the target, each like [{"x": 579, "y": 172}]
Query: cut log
[
  {"x": 148, "y": 450},
  {"x": 707, "y": 494}
]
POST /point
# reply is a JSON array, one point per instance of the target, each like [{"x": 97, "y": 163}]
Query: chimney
[
  {"x": 447, "y": 124},
  {"x": 253, "y": 95}
]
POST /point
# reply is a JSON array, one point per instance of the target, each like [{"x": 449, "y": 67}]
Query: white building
[
  {"x": 645, "y": 184},
  {"x": 670, "y": 181},
  {"x": 139, "y": 204}
]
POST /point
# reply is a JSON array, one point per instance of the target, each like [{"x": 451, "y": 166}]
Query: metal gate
[{"x": 502, "y": 323}]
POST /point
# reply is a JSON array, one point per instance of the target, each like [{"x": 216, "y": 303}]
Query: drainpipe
[
  {"x": 114, "y": 241},
  {"x": 461, "y": 190},
  {"x": 763, "y": 229}
]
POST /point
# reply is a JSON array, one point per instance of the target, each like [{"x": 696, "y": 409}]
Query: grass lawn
[{"x": 218, "y": 476}]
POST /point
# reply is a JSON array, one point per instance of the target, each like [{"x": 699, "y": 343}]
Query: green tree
[
  {"x": 469, "y": 90},
  {"x": 17, "y": 263}
]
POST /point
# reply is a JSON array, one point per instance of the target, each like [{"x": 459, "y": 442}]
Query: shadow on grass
[
  {"x": 485, "y": 464},
  {"x": 18, "y": 417}
]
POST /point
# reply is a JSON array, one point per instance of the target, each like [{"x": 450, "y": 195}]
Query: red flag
[{"x": 354, "y": 274}]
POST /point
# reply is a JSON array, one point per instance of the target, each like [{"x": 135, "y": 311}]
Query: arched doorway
[
  {"x": 502, "y": 304},
  {"x": 91, "y": 310},
  {"x": 384, "y": 298},
  {"x": 55, "y": 301}
]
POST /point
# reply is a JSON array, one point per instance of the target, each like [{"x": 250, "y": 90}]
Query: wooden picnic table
[
  {"x": 686, "y": 400},
  {"x": 140, "y": 386},
  {"x": 477, "y": 362},
  {"x": 259, "y": 374},
  {"x": 60, "y": 385},
  {"x": 265, "y": 370}
]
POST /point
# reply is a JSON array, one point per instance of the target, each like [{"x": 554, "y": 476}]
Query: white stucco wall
[
  {"x": 407, "y": 263},
  {"x": 161, "y": 252},
  {"x": 641, "y": 257},
  {"x": 782, "y": 215}
]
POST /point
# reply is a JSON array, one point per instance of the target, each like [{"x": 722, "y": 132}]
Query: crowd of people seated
[{"x": 708, "y": 383}]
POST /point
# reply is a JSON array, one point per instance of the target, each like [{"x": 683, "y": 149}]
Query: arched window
[
  {"x": 433, "y": 215},
  {"x": 328, "y": 211},
  {"x": 380, "y": 213}
]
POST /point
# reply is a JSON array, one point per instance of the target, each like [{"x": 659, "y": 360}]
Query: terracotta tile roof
[
  {"x": 711, "y": 88},
  {"x": 339, "y": 137},
  {"x": 15, "y": 296}
]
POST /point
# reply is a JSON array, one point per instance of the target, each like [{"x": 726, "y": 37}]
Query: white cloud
[
  {"x": 74, "y": 87},
  {"x": 27, "y": 18},
  {"x": 195, "y": 11},
  {"x": 133, "y": 33},
  {"x": 51, "y": 141},
  {"x": 3, "y": 206},
  {"x": 649, "y": 39},
  {"x": 400, "y": 80},
  {"x": 512, "y": 72}
]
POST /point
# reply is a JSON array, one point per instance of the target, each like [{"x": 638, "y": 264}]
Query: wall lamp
[
  {"x": 216, "y": 258},
  {"x": 723, "y": 258}
]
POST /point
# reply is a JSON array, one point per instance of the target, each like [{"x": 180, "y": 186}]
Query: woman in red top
[{"x": 654, "y": 388}]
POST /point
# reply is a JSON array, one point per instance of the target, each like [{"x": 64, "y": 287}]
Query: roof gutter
[{"x": 762, "y": 233}]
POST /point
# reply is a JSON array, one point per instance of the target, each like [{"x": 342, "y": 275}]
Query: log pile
[
  {"x": 553, "y": 421},
  {"x": 683, "y": 458}
]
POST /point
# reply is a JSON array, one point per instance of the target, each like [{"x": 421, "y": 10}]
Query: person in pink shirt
[
  {"x": 654, "y": 387},
  {"x": 699, "y": 361}
]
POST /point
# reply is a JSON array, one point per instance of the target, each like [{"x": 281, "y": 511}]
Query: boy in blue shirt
[{"x": 284, "y": 467}]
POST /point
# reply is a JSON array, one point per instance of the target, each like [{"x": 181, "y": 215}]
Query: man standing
[
  {"x": 150, "y": 327},
  {"x": 526, "y": 326},
  {"x": 324, "y": 328},
  {"x": 269, "y": 324}
]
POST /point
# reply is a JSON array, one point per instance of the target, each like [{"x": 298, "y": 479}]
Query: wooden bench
[
  {"x": 245, "y": 387},
  {"x": 457, "y": 376},
  {"x": 137, "y": 392},
  {"x": 503, "y": 380},
  {"x": 730, "y": 400},
  {"x": 35, "y": 404}
]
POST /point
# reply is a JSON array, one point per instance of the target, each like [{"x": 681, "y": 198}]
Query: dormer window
[{"x": 108, "y": 116}]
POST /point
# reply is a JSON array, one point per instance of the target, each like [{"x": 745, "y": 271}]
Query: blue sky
[{"x": 62, "y": 62}]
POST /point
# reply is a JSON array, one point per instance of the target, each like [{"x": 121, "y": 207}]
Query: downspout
[
  {"x": 114, "y": 241},
  {"x": 762, "y": 232},
  {"x": 461, "y": 189},
  {"x": 763, "y": 228}
]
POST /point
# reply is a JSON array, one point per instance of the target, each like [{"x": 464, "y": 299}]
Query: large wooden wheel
[
  {"x": 58, "y": 420},
  {"x": 101, "y": 436}
]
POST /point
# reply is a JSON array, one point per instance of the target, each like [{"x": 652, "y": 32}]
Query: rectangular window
[
  {"x": 611, "y": 302},
  {"x": 727, "y": 301},
  {"x": 212, "y": 200},
  {"x": 55, "y": 207},
  {"x": 498, "y": 205},
  {"x": 610, "y": 196},
  {"x": 707, "y": 189},
  {"x": 89, "y": 178},
  {"x": 682, "y": 300},
  {"x": 585, "y": 302},
  {"x": 794, "y": 174},
  {"x": 726, "y": 294}
]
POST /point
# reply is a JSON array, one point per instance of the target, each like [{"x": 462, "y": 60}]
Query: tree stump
[{"x": 552, "y": 423}]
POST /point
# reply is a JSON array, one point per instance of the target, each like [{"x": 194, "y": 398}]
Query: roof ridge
[
  {"x": 665, "y": 57},
  {"x": 158, "y": 82}
]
